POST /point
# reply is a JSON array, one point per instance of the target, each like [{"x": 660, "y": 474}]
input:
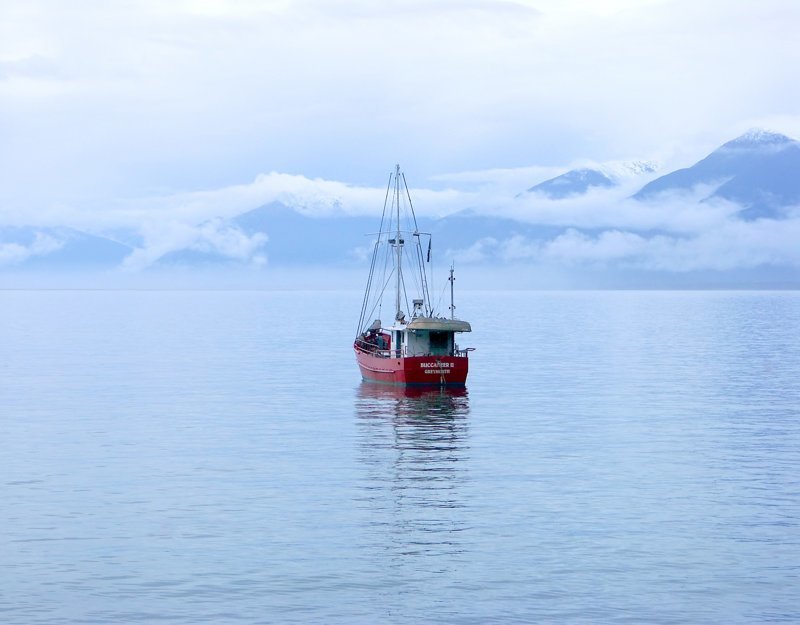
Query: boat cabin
[{"x": 422, "y": 336}]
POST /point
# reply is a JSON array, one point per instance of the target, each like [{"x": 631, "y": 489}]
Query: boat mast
[{"x": 398, "y": 243}]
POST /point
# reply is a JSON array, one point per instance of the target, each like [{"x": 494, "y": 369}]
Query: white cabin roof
[{"x": 433, "y": 324}]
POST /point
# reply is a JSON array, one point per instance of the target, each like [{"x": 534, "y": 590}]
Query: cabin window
[{"x": 440, "y": 342}]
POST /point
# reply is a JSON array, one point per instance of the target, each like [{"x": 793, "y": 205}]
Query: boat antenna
[{"x": 452, "y": 305}]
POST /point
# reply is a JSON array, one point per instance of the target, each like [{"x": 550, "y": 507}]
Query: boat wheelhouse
[{"x": 420, "y": 349}]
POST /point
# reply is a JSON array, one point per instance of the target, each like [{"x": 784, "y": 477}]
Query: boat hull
[{"x": 413, "y": 370}]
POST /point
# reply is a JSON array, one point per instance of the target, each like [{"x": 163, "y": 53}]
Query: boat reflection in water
[
  {"x": 413, "y": 446},
  {"x": 429, "y": 403},
  {"x": 423, "y": 425}
]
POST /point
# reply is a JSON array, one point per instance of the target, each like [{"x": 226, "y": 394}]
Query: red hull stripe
[{"x": 425, "y": 370}]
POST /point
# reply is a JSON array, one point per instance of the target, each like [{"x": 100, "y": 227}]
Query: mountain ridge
[
  {"x": 756, "y": 171},
  {"x": 580, "y": 180}
]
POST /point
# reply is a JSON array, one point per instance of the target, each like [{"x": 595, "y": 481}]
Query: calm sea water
[{"x": 212, "y": 457}]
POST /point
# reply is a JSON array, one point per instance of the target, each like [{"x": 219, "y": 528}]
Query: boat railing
[{"x": 372, "y": 348}]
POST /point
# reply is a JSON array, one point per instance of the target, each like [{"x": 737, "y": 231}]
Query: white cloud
[
  {"x": 17, "y": 253},
  {"x": 189, "y": 98},
  {"x": 574, "y": 247},
  {"x": 479, "y": 252},
  {"x": 214, "y": 237},
  {"x": 192, "y": 95},
  {"x": 604, "y": 208},
  {"x": 677, "y": 233},
  {"x": 313, "y": 197},
  {"x": 732, "y": 245}
]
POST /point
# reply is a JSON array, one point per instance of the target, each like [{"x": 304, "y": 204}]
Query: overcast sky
[{"x": 104, "y": 104}]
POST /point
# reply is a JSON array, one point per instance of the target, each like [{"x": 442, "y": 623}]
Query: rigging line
[
  {"x": 407, "y": 254},
  {"x": 380, "y": 298},
  {"x": 413, "y": 214},
  {"x": 370, "y": 281},
  {"x": 432, "y": 272},
  {"x": 365, "y": 301},
  {"x": 386, "y": 205},
  {"x": 374, "y": 283},
  {"x": 423, "y": 274},
  {"x": 405, "y": 293},
  {"x": 441, "y": 295},
  {"x": 428, "y": 260},
  {"x": 419, "y": 274},
  {"x": 421, "y": 265},
  {"x": 383, "y": 220},
  {"x": 386, "y": 260},
  {"x": 385, "y": 201}
]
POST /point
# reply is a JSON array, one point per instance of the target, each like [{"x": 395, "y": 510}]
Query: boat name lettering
[{"x": 431, "y": 365}]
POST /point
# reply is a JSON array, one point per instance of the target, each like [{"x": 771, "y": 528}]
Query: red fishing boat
[{"x": 420, "y": 349}]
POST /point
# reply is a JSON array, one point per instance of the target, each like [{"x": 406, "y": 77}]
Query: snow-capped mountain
[
  {"x": 623, "y": 170},
  {"x": 758, "y": 170},
  {"x": 574, "y": 182},
  {"x": 581, "y": 180}
]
